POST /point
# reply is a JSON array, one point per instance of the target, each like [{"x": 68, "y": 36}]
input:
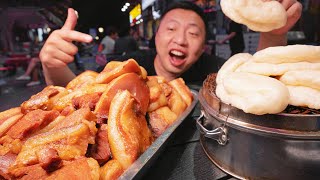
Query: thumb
[{"x": 71, "y": 20}]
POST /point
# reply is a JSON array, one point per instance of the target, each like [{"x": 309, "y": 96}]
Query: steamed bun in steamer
[
  {"x": 288, "y": 54},
  {"x": 232, "y": 65},
  {"x": 268, "y": 69},
  {"x": 304, "y": 96},
  {"x": 253, "y": 93},
  {"x": 271, "y": 79},
  {"x": 307, "y": 78}
]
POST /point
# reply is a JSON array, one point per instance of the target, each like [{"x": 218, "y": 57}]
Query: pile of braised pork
[{"x": 94, "y": 128}]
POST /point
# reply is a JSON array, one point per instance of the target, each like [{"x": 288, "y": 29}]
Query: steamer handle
[{"x": 219, "y": 134}]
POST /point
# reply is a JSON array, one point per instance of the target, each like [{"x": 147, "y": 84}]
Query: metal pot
[{"x": 247, "y": 146}]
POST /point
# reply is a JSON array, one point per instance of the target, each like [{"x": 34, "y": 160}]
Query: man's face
[
  {"x": 179, "y": 41},
  {"x": 114, "y": 36}
]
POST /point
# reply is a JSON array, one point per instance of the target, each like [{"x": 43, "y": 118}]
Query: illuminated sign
[{"x": 135, "y": 14}]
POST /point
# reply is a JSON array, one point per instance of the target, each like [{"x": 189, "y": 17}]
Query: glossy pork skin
[
  {"x": 128, "y": 132},
  {"x": 129, "y": 81},
  {"x": 118, "y": 69}
]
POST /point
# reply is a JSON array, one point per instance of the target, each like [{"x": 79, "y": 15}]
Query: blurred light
[
  {"x": 48, "y": 30},
  {"x": 127, "y": 4},
  {"x": 97, "y": 37},
  {"x": 100, "y": 29},
  {"x": 123, "y": 10}
]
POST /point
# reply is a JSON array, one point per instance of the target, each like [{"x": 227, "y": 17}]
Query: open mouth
[{"x": 177, "y": 57}]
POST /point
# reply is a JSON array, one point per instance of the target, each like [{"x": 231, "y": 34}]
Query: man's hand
[
  {"x": 58, "y": 49},
  {"x": 294, "y": 9},
  {"x": 278, "y": 37}
]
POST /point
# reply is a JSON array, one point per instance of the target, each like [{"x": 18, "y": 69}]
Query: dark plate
[{"x": 140, "y": 166}]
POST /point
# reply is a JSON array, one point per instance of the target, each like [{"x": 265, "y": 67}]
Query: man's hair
[{"x": 187, "y": 5}]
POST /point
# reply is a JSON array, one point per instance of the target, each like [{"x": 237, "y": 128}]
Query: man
[
  {"x": 108, "y": 42},
  {"x": 179, "y": 40}
]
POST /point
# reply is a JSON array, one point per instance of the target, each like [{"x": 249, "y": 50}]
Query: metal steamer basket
[{"x": 247, "y": 146}]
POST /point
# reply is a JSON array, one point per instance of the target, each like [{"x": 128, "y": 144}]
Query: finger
[
  {"x": 71, "y": 20},
  {"x": 67, "y": 47},
  {"x": 56, "y": 63},
  {"x": 51, "y": 51},
  {"x": 63, "y": 57},
  {"x": 293, "y": 13},
  {"x": 287, "y": 3},
  {"x": 75, "y": 36}
]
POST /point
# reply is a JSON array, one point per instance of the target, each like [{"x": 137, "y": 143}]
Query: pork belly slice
[
  {"x": 101, "y": 150},
  {"x": 114, "y": 70},
  {"x": 161, "y": 119},
  {"x": 31, "y": 122},
  {"x": 157, "y": 95},
  {"x": 8, "y": 144},
  {"x": 29, "y": 173},
  {"x": 111, "y": 170},
  {"x": 176, "y": 103},
  {"x": 77, "y": 117},
  {"x": 66, "y": 100},
  {"x": 82, "y": 168},
  {"x": 128, "y": 132},
  {"x": 42, "y": 100},
  {"x": 5, "y": 161},
  {"x": 183, "y": 90},
  {"x": 8, "y": 123},
  {"x": 49, "y": 159},
  {"x": 8, "y": 118},
  {"x": 70, "y": 143},
  {"x": 128, "y": 81},
  {"x": 86, "y": 101},
  {"x": 84, "y": 79},
  {"x": 4, "y": 115},
  {"x": 67, "y": 110}
]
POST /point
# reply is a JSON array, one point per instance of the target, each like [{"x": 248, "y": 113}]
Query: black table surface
[{"x": 183, "y": 156}]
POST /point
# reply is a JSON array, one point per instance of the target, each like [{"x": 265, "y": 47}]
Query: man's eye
[
  {"x": 170, "y": 28},
  {"x": 194, "y": 34}
]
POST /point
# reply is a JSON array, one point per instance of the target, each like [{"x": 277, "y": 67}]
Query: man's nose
[{"x": 180, "y": 38}]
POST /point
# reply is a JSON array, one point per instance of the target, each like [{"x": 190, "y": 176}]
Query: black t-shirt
[
  {"x": 198, "y": 72},
  {"x": 237, "y": 42}
]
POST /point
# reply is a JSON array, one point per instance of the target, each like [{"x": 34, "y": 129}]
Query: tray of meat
[{"x": 105, "y": 125}]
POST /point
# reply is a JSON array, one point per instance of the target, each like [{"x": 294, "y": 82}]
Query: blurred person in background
[
  {"x": 235, "y": 37},
  {"x": 106, "y": 45},
  {"x": 179, "y": 40},
  {"x": 34, "y": 67},
  {"x": 126, "y": 43},
  {"x": 32, "y": 72}
]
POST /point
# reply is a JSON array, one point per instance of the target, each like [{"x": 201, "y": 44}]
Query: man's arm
[
  {"x": 58, "y": 76},
  {"x": 278, "y": 37},
  {"x": 269, "y": 39}
]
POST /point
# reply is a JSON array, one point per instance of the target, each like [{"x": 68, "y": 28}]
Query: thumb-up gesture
[{"x": 58, "y": 49}]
